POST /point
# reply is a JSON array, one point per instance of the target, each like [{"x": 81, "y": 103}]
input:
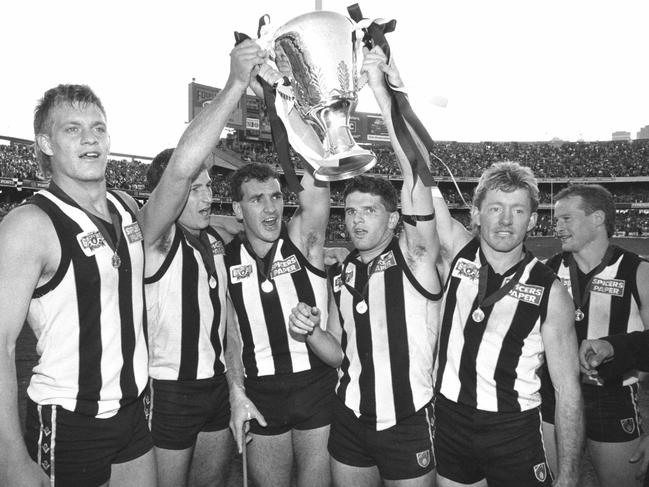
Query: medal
[
  {"x": 477, "y": 315},
  {"x": 212, "y": 282},
  {"x": 579, "y": 315},
  {"x": 116, "y": 261},
  {"x": 361, "y": 307},
  {"x": 267, "y": 286}
]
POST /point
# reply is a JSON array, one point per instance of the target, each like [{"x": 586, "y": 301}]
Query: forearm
[
  {"x": 326, "y": 347},
  {"x": 11, "y": 440},
  {"x": 569, "y": 427}
]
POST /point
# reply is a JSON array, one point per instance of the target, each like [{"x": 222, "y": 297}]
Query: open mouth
[
  {"x": 89, "y": 155},
  {"x": 204, "y": 212},
  {"x": 269, "y": 222}
]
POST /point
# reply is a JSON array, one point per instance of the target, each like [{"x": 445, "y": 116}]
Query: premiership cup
[{"x": 316, "y": 52}]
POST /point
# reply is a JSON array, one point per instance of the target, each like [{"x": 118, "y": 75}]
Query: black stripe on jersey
[
  {"x": 398, "y": 340},
  {"x": 52, "y": 211},
  {"x": 468, "y": 252},
  {"x": 233, "y": 258},
  {"x": 191, "y": 320},
  {"x": 343, "y": 381},
  {"x": 364, "y": 346},
  {"x": 305, "y": 292},
  {"x": 522, "y": 324},
  {"x": 216, "y": 306},
  {"x": 468, "y": 373},
  {"x": 127, "y": 374},
  {"x": 276, "y": 327},
  {"x": 168, "y": 259}
]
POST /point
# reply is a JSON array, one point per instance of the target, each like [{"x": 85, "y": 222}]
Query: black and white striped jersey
[
  {"x": 89, "y": 318},
  {"x": 389, "y": 346},
  {"x": 186, "y": 315},
  {"x": 262, "y": 315},
  {"x": 492, "y": 364}
]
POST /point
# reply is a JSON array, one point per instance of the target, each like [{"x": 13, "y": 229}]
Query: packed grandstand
[{"x": 621, "y": 166}]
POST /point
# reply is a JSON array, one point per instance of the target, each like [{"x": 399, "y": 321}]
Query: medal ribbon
[
  {"x": 579, "y": 300},
  {"x": 98, "y": 222},
  {"x": 202, "y": 244},
  {"x": 261, "y": 265},
  {"x": 371, "y": 267},
  {"x": 485, "y": 301}
]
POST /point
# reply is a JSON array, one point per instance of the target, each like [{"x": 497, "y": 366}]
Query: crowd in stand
[{"x": 547, "y": 160}]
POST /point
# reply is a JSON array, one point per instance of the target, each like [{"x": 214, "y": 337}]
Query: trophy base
[{"x": 346, "y": 168}]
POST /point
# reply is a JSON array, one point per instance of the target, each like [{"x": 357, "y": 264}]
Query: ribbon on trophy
[
  {"x": 278, "y": 131},
  {"x": 404, "y": 120}
]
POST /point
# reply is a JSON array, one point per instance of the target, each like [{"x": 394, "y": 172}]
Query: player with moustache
[{"x": 504, "y": 314}]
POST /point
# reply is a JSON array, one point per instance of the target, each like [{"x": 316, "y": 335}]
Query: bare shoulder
[{"x": 28, "y": 238}]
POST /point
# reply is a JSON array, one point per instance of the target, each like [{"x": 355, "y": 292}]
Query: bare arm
[
  {"x": 560, "y": 342},
  {"x": 304, "y": 321},
  {"x": 453, "y": 236},
  {"x": 227, "y": 226},
  {"x": 419, "y": 240},
  {"x": 200, "y": 137},
  {"x": 25, "y": 235},
  {"x": 242, "y": 408},
  {"x": 307, "y": 228}
]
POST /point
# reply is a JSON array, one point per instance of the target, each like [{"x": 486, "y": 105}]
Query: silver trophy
[{"x": 316, "y": 52}]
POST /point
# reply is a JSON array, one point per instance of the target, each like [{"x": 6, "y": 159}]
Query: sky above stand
[{"x": 510, "y": 70}]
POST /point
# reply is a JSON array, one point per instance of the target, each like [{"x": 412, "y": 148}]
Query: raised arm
[
  {"x": 198, "y": 140},
  {"x": 419, "y": 240},
  {"x": 308, "y": 226},
  {"x": 24, "y": 237},
  {"x": 560, "y": 342},
  {"x": 453, "y": 236}
]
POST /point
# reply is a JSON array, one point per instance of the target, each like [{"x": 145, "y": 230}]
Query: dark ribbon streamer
[
  {"x": 277, "y": 129},
  {"x": 402, "y": 114},
  {"x": 371, "y": 267}
]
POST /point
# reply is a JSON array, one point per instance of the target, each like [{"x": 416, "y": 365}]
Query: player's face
[
  {"x": 369, "y": 224},
  {"x": 573, "y": 227},
  {"x": 78, "y": 142},
  {"x": 504, "y": 219},
  {"x": 196, "y": 213},
  {"x": 260, "y": 209}
]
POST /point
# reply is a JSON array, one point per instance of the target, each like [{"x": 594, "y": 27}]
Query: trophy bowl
[{"x": 317, "y": 53}]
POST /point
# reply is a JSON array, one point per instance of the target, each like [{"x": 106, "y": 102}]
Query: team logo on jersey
[
  {"x": 217, "y": 248},
  {"x": 90, "y": 242},
  {"x": 614, "y": 287},
  {"x": 385, "y": 262},
  {"x": 465, "y": 269},
  {"x": 628, "y": 425},
  {"x": 338, "y": 280},
  {"x": 133, "y": 232},
  {"x": 540, "y": 472},
  {"x": 286, "y": 266},
  {"x": 240, "y": 272},
  {"x": 423, "y": 458},
  {"x": 527, "y": 293}
]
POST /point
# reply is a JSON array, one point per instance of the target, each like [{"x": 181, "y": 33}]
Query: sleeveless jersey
[
  {"x": 613, "y": 303},
  {"x": 187, "y": 317},
  {"x": 492, "y": 365},
  {"x": 262, "y": 317},
  {"x": 387, "y": 369},
  {"x": 89, "y": 318}
]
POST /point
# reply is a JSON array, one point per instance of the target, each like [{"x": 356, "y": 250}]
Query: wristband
[{"x": 413, "y": 219}]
